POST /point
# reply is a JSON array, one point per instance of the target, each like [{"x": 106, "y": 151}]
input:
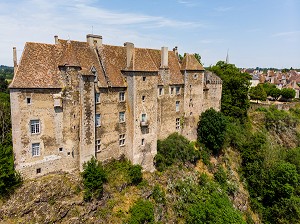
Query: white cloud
[
  {"x": 287, "y": 34},
  {"x": 40, "y": 20}
]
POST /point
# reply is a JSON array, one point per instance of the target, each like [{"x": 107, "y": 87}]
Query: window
[
  {"x": 122, "y": 140},
  {"x": 122, "y": 116},
  {"x": 160, "y": 91},
  {"x": 35, "y": 126},
  {"x": 195, "y": 76},
  {"x": 98, "y": 120},
  {"x": 35, "y": 149},
  {"x": 28, "y": 100},
  {"x": 38, "y": 170},
  {"x": 177, "y": 106},
  {"x": 98, "y": 145},
  {"x": 144, "y": 117},
  {"x": 60, "y": 149},
  {"x": 177, "y": 123},
  {"x": 121, "y": 96},
  {"x": 143, "y": 98},
  {"x": 144, "y": 78},
  {"x": 143, "y": 141},
  {"x": 177, "y": 90},
  {"x": 97, "y": 97},
  {"x": 172, "y": 90}
]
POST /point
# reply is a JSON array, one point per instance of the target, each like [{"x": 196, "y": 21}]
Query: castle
[{"x": 73, "y": 100}]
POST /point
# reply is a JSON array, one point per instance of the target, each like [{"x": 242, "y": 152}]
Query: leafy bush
[
  {"x": 135, "y": 174},
  {"x": 288, "y": 93},
  {"x": 141, "y": 212},
  {"x": 205, "y": 203},
  {"x": 158, "y": 195},
  {"x": 220, "y": 176},
  {"x": 175, "y": 149},
  {"x": 9, "y": 178},
  {"x": 211, "y": 130},
  {"x": 257, "y": 93},
  {"x": 93, "y": 178}
]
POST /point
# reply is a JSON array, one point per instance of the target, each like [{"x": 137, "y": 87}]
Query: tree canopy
[
  {"x": 211, "y": 130},
  {"x": 288, "y": 93},
  {"x": 235, "y": 88},
  {"x": 257, "y": 93}
]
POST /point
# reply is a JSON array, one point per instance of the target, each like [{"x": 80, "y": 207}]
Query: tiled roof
[
  {"x": 189, "y": 62},
  {"x": 38, "y": 67},
  {"x": 39, "y": 64}
]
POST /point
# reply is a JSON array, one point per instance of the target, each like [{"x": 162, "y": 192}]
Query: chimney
[
  {"x": 175, "y": 49},
  {"x": 15, "y": 57},
  {"x": 164, "y": 57},
  {"x": 129, "y": 54},
  {"x": 94, "y": 40},
  {"x": 56, "y": 39}
]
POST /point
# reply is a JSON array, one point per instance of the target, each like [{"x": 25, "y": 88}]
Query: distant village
[{"x": 280, "y": 78}]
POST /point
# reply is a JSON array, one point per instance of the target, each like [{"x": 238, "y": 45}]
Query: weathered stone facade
[{"x": 73, "y": 100}]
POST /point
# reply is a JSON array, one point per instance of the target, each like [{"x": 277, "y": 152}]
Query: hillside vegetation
[{"x": 244, "y": 168}]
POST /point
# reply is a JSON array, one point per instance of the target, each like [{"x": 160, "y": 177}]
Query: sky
[{"x": 255, "y": 33}]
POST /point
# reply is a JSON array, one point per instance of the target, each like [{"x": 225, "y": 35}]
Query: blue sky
[{"x": 263, "y": 33}]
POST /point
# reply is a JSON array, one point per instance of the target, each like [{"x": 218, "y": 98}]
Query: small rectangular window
[
  {"x": 98, "y": 145},
  {"x": 172, "y": 90},
  {"x": 143, "y": 141},
  {"x": 177, "y": 106},
  {"x": 121, "y": 96},
  {"x": 28, "y": 100},
  {"x": 97, "y": 97},
  {"x": 143, "y": 98},
  {"x": 35, "y": 126},
  {"x": 160, "y": 91},
  {"x": 122, "y": 139},
  {"x": 35, "y": 149},
  {"x": 38, "y": 170},
  {"x": 177, "y": 123},
  {"x": 122, "y": 116},
  {"x": 98, "y": 120},
  {"x": 144, "y": 117},
  {"x": 177, "y": 90},
  {"x": 144, "y": 78},
  {"x": 60, "y": 149}
]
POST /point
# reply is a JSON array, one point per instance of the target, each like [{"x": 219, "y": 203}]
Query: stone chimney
[
  {"x": 56, "y": 39},
  {"x": 129, "y": 55},
  {"x": 175, "y": 49},
  {"x": 164, "y": 57},
  {"x": 94, "y": 40},
  {"x": 15, "y": 57}
]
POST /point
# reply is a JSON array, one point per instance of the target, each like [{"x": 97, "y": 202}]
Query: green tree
[
  {"x": 235, "y": 102},
  {"x": 257, "y": 93},
  {"x": 288, "y": 93},
  {"x": 198, "y": 57},
  {"x": 174, "y": 149},
  {"x": 135, "y": 174},
  {"x": 9, "y": 178},
  {"x": 93, "y": 178},
  {"x": 275, "y": 93},
  {"x": 212, "y": 129},
  {"x": 141, "y": 212}
]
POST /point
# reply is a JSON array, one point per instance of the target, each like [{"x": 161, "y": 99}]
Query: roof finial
[{"x": 227, "y": 57}]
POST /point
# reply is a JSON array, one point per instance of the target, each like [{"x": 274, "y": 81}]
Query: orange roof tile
[{"x": 189, "y": 62}]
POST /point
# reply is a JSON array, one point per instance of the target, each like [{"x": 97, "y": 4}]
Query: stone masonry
[{"x": 74, "y": 100}]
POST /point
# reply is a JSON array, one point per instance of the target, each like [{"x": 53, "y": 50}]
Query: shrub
[
  {"x": 93, "y": 178},
  {"x": 211, "y": 130},
  {"x": 175, "y": 149},
  {"x": 141, "y": 212},
  {"x": 135, "y": 174},
  {"x": 220, "y": 176},
  {"x": 9, "y": 178},
  {"x": 158, "y": 195}
]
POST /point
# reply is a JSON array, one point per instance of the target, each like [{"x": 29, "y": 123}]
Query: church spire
[{"x": 227, "y": 57}]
